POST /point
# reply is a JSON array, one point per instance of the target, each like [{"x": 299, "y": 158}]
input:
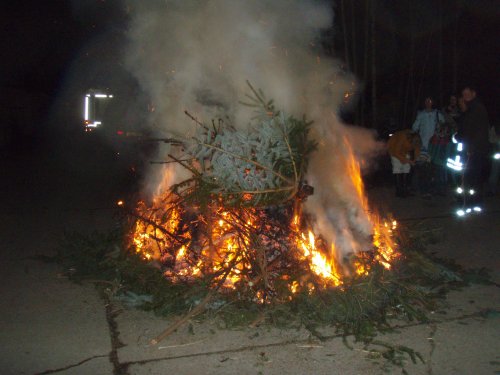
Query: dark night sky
[{"x": 40, "y": 40}]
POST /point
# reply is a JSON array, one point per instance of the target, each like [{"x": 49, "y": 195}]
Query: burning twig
[{"x": 195, "y": 120}]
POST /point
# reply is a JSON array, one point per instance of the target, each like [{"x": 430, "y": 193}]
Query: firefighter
[{"x": 472, "y": 152}]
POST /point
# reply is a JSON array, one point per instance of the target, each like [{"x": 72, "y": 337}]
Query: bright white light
[
  {"x": 94, "y": 124},
  {"x": 472, "y": 192},
  {"x": 453, "y": 164},
  {"x": 454, "y": 167},
  {"x": 453, "y": 139},
  {"x": 110, "y": 96},
  {"x": 390, "y": 135},
  {"x": 469, "y": 210},
  {"x": 496, "y": 156},
  {"x": 460, "y": 190},
  {"x": 86, "y": 115},
  {"x": 460, "y": 212},
  {"x": 460, "y": 147},
  {"x": 477, "y": 209},
  {"x": 100, "y": 95}
]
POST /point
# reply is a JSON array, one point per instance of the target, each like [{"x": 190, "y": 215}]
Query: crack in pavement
[
  {"x": 111, "y": 314},
  {"x": 433, "y": 347},
  {"x": 53, "y": 371},
  {"x": 125, "y": 365}
]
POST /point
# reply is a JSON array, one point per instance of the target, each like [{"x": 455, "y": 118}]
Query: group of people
[{"x": 452, "y": 145}]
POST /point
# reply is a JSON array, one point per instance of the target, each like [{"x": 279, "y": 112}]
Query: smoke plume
[{"x": 197, "y": 56}]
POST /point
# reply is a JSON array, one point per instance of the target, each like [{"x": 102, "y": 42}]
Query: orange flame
[{"x": 165, "y": 235}]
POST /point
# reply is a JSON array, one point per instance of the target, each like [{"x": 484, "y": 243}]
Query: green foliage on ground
[{"x": 362, "y": 307}]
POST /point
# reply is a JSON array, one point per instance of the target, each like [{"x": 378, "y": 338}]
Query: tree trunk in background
[
  {"x": 366, "y": 53},
  {"x": 346, "y": 38},
  {"x": 353, "y": 39},
  {"x": 440, "y": 57},
  {"x": 354, "y": 52},
  {"x": 455, "y": 48},
  {"x": 419, "y": 98},
  {"x": 410, "y": 66},
  {"x": 373, "y": 62}
]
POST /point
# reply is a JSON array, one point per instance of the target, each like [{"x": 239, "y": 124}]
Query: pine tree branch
[{"x": 245, "y": 159}]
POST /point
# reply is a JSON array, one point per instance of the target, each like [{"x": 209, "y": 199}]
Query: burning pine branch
[
  {"x": 236, "y": 222},
  {"x": 241, "y": 206}
]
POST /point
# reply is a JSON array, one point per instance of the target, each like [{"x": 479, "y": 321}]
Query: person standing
[
  {"x": 494, "y": 139},
  {"x": 474, "y": 133},
  {"x": 452, "y": 113},
  {"x": 439, "y": 151},
  {"x": 404, "y": 148},
  {"x": 425, "y": 125}
]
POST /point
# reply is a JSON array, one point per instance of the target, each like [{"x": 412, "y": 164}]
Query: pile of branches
[
  {"x": 361, "y": 306},
  {"x": 232, "y": 217},
  {"x": 235, "y": 224},
  {"x": 260, "y": 166}
]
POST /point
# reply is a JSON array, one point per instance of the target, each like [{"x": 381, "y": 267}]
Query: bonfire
[
  {"x": 237, "y": 221},
  {"x": 236, "y": 239}
]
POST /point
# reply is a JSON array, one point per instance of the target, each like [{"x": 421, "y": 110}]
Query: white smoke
[{"x": 197, "y": 55}]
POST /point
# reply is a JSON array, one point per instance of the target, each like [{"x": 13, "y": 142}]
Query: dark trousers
[
  {"x": 474, "y": 172},
  {"x": 440, "y": 178},
  {"x": 422, "y": 177},
  {"x": 473, "y": 180}
]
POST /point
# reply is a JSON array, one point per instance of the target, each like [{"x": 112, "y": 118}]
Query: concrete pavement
[{"x": 52, "y": 326}]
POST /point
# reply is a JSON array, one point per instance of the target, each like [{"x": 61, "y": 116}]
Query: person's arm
[{"x": 401, "y": 151}]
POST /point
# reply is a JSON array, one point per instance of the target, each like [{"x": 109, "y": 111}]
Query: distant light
[
  {"x": 119, "y": 203},
  {"x": 496, "y": 156},
  {"x": 477, "y": 209},
  {"x": 119, "y": 132},
  {"x": 94, "y": 124},
  {"x": 472, "y": 192},
  {"x": 460, "y": 190},
  {"x": 460, "y": 146},
  {"x": 100, "y": 95},
  {"x": 390, "y": 135},
  {"x": 110, "y": 96},
  {"x": 469, "y": 210},
  {"x": 460, "y": 212},
  {"x": 86, "y": 115}
]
